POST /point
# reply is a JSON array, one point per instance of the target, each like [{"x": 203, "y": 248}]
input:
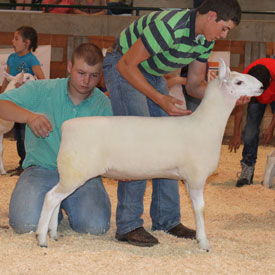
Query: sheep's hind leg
[
  {"x": 197, "y": 199},
  {"x": 2, "y": 169},
  {"x": 51, "y": 205}
]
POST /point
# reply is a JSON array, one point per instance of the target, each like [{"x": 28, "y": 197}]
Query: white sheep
[
  {"x": 183, "y": 148},
  {"x": 6, "y": 126},
  {"x": 269, "y": 173}
]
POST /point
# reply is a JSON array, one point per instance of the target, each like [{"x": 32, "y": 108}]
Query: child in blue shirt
[{"x": 24, "y": 42}]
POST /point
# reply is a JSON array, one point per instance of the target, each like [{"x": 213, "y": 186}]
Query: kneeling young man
[{"x": 44, "y": 105}]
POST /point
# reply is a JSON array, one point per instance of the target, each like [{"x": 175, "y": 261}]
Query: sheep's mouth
[{"x": 259, "y": 92}]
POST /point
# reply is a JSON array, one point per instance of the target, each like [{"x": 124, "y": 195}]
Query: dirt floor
[{"x": 240, "y": 223}]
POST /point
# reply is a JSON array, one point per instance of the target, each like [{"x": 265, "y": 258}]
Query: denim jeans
[
  {"x": 192, "y": 103},
  {"x": 88, "y": 208},
  {"x": 251, "y": 132},
  {"x": 165, "y": 204},
  {"x": 19, "y": 136}
]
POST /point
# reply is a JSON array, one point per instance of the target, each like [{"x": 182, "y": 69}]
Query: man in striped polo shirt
[{"x": 154, "y": 45}]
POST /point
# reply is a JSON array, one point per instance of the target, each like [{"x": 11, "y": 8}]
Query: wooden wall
[{"x": 59, "y": 45}]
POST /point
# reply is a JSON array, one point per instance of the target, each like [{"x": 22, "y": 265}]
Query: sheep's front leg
[
  {"x": 269, "y": 173},
  {"x": 50, "y": 207},
  {"x": 2, "y": 169},
  {"x": 196, "y": 196}
]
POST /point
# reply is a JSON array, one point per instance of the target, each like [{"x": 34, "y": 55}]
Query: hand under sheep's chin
[{"x": 243, "y": 100}]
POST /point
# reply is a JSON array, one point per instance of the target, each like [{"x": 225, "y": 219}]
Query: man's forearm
[
  {"x": 196, "y": 90},
  {"x": 12, "y": 112}
]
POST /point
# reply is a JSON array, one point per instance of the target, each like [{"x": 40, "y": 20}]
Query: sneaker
[
  {"x": 138, "y": 237},
  {"x": 246, "y": 176},
  {"x": 16, "y": 172},
  {"x": 181, "y": 231}
]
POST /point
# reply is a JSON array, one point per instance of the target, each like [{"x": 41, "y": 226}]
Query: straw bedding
[{"x": 240, "y": 223}]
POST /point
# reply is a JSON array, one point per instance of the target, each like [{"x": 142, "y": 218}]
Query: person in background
[
  {"x": 21, "y": 7},
  {"x": 75, "y": 10},
  {"x": 152, "y": 46},
  {"x": 92, "y": 3},
  {"x": 63, "y": 9},
  {"x": 44, "y": 106},
  {"x": 197, "y": 3},
  {"x": 25, "y": 41},
  {"x": 264, "y": 70},
  {"x": 119, "y": 7}
]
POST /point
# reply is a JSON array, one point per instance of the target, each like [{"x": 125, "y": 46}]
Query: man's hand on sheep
[
  {"x": 168, "y": 104},
  {"x": 243, "y": 100},
  {"x": 39, "y": 124}
]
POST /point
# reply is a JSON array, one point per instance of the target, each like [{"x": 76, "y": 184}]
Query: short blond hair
[{"x": 89, "y": 52}]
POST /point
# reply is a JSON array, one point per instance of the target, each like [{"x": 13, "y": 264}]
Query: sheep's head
[
  {"x": 237, "y": 84},
  {"x": 27, "y": 77},
  {"x": 22, "y": 78},
  {"x": 19, "y": 79}
]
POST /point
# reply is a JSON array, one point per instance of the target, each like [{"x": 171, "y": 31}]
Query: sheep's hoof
[
  {"x": 53, "y": 235},
  {"x": 41, "y": 243},
  {"x": 267, "y": 184},
  {"x": 204, "y": 245}
]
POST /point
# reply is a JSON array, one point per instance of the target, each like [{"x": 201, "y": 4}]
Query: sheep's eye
[{"x": 239, "y": 82}]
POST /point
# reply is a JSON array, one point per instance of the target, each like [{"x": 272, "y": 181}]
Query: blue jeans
[
  {"x": 192, "y": 103},
  {"x": 165, "y": 205},
  {"x": 88, "y": 208},
  {"x": 251, "y": 132}
]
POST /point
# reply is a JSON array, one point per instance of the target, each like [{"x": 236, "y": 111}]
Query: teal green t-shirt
[{"x": 50, "y": 97}]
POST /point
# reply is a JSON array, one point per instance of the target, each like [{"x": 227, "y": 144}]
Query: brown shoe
[
  {"x": 181, "y": 231},
  {"x": 138, "y": 237}
]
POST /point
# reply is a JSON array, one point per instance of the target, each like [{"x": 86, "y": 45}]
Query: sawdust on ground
[{"x": 240, "y": 224}]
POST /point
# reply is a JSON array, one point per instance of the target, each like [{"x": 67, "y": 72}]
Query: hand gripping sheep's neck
[
  {"x": 184, "y": 148},
  {"x": 6, "y": 126}
]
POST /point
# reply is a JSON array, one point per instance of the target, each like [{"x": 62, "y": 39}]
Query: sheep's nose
[{"x": 262, "y": 89}]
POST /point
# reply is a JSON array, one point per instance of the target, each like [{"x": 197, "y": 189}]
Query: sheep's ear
[
  {"x": 228, "y": 72},
  {"x": 222, "y": 70},
  {"x": 21, "y": 78},
  {"x": 8, "y": 76}
]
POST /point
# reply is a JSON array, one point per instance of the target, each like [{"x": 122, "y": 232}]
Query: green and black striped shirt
[{"x": 169, "y": 37}]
